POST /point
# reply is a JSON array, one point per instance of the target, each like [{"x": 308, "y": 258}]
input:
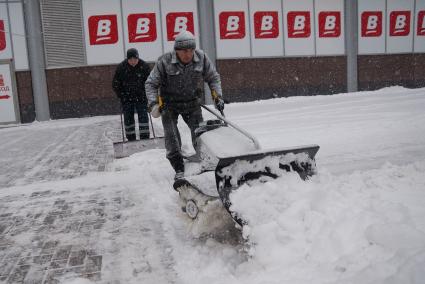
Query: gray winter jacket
[{"x": 181, "y": 85}]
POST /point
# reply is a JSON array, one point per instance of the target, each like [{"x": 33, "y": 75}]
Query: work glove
[
  {"x": 155, "y": 111},
  {"x": 219, "y": 104}
]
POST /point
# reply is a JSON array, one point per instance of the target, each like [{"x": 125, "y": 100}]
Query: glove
[
  {"x": 155, "y": 111},
  {"x": 219, "y": 104}
]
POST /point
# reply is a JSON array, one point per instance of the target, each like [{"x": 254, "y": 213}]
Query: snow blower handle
[{"x": 222, "y": 118}]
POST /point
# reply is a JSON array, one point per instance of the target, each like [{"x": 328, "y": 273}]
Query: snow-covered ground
[{"x": 360, "y": 220}]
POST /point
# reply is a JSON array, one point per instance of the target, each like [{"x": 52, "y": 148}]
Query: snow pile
[{"x": 363, "y": 227}]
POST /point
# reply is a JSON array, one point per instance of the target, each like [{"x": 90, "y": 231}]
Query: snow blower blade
[{"x": 232, "y": 172}]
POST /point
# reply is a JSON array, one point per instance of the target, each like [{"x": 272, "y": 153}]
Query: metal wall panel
[{"x": 63, "y": 33}]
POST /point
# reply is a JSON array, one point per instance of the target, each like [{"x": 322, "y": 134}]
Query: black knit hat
[{"x": 132, "y": 53}]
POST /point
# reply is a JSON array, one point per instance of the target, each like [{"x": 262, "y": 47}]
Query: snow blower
[{"x": 222, "y": 170}]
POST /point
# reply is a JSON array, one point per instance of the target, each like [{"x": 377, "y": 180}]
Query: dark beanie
[{"x": 132, "y": 53}]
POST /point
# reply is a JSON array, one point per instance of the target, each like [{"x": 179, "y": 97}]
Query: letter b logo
[
  {"x": 299, "y": 24},
  {"x": 371, "y": 23},
  {"x": 103, "y": 29},
  {"x": 142, "y": 27},
  {"x": 178, "y": 22},
  {"x": 329, "y": 24},
  {"x": 232, "y": 25},
  {"x": 399, "y": 23},
  {"x": 266, "y": 25}
]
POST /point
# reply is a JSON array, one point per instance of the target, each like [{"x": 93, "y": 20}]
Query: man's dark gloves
[{"x": 219, "y": 104}]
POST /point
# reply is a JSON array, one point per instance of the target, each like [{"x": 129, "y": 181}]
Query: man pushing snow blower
[
  {"x": 179, "y": 75},
  {"x": 228, "y": 155}
]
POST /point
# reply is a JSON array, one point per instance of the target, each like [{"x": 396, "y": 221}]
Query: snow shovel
[{"x": 125, "y": 148}]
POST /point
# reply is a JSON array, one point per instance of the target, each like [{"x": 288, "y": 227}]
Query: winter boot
[
  {"x": 178, "y": 176},
  {"x": 179, "y": 181}
]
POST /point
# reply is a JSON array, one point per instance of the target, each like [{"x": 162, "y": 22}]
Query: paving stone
[
  {"x": 6, "y": 267},
  {"x": 93, "y": 276},
  {"x": 62, "y": 253},
  {"x": 77, "y": 258},
  {"x": 6, "y": 226},
  {"x": 19, "y": 273},
  {"x": 42, "y": 259},
  {"x": 93, "y": 263},
  {"x": 76, "y": 270},
  {"x": 26, "y": 260},
  {"x": 14, "y": 253},
  {"x": 50, "y": 219},
  {"x": 54, "y": 276},
  {"x": 55, "y": 264},
  {"x": 49, "y": 247},
  {"x": 35, "y": 276}
]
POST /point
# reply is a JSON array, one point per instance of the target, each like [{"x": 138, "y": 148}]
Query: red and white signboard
[
  {"x": 330, "y": 27},
  {"x": 178, "y": 16},
  {"x": 419, "y": 26},
  {"x": 400, "y": 14},
  {"x": 7, "y": 105},
  {"x": 232, "y": 28},
  {"x": 299, "y": 27},
  {"x": 102, "y": 25},
  {"x": 372, "y": 26},
  {"x": 142, "y": 27},
  {"x": 266, "y": 31},
  {"x": 5, "y": 41}
]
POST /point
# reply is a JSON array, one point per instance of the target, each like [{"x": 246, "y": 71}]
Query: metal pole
[
  {"x": 351, "y": 43},
  {"x": 249, "y": 136},
  {"x": 36, "y": 57},
  {"x": 207, "y": 37}
]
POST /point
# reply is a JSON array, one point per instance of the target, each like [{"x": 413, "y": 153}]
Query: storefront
[{"x": 262, "y": 49}]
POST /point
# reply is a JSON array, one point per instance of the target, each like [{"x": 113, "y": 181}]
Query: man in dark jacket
[
  {"x": 129, "y": 85},
  {"x": 174, "y": 88}
]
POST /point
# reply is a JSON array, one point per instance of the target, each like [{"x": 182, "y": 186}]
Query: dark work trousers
[
  {"x": 141, "y": 108},
  {"x": 172, "y": 135}
]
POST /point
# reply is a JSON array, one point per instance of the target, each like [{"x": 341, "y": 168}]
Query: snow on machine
[{"x": 228, "y": 157}]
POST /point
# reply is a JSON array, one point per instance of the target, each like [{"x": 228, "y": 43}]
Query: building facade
[{"x": 262, "y": 48}]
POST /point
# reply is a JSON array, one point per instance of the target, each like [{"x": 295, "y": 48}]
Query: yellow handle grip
[{"x": 214, "y": 95}]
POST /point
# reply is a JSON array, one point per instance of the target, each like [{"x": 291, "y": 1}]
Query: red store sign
[
  {"x": 2, "y": 36},
  {"x": 142, "y": 27},
  {"x": 178, "y": 22},
  {"x": 232, "y": 25},
  {"x": 299, "y": 25},
  {"x": 266, "y": 24},
  {"x": 329, "y": 24},
  {"x": 371, "y": 24},
  {"x": 103, "y": 29},
  {"x": 400, "y": 23}
]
